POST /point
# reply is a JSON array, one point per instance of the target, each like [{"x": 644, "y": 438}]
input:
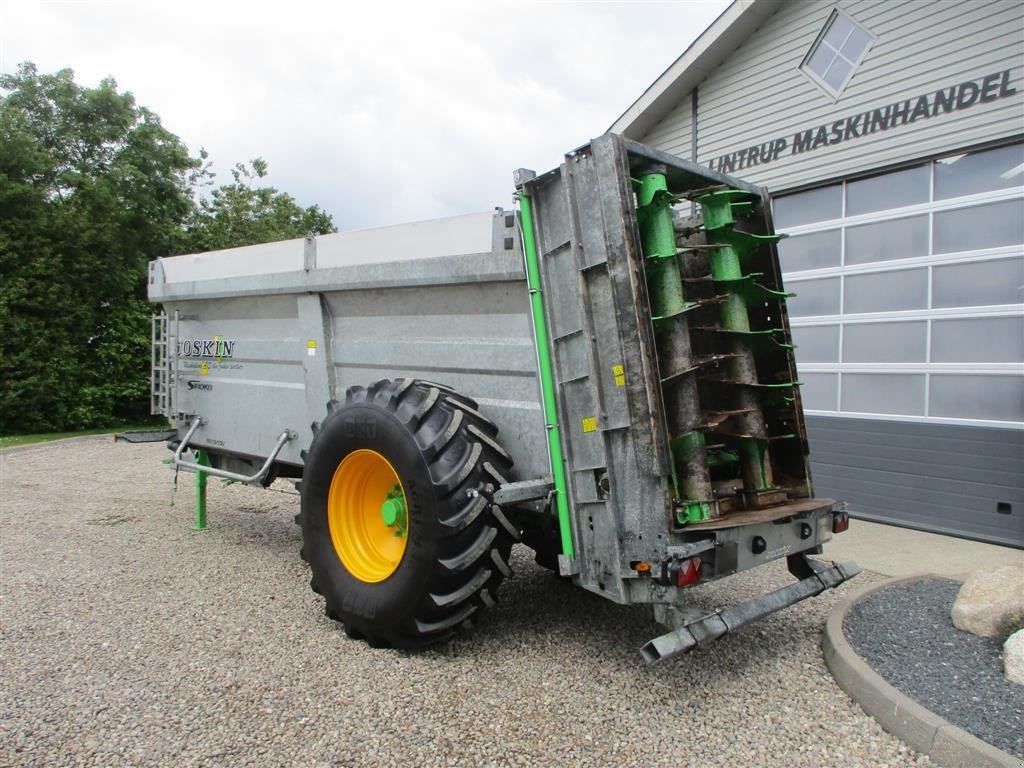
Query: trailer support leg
[{"x": 203, "y": 460}]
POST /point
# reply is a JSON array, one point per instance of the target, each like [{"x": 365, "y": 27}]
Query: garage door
[{"x": 909, "y": 325}]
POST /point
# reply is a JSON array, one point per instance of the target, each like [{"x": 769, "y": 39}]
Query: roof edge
[{"x": 704, "y": 54}]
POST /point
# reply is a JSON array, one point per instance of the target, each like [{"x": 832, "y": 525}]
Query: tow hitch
[{"x": 714, "y": 625}]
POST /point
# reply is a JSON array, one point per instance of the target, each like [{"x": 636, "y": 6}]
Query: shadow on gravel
[
  {"x": 541, "y": 615},
  {"x": 243, "y": 523}
]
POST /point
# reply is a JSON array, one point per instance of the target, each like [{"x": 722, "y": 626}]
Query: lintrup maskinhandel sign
[{"x": 955, "y": 97}]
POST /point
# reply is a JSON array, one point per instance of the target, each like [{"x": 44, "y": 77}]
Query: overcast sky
[{"x": 378, "y": 112}]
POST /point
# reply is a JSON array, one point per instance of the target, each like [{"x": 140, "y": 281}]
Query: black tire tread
[
  {"x": 464, "y": 592},
  {"x": 465, "y": 463}
]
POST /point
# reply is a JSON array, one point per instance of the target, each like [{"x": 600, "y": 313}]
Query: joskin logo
[{"x": 217, "y": 348}]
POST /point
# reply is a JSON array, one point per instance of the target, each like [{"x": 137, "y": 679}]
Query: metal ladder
[{"x": 160, "y": 374}]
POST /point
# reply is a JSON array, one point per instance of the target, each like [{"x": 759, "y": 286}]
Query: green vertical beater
[
  {"x": 668, "y": 303},
  {"x": 727, "y": 271}
]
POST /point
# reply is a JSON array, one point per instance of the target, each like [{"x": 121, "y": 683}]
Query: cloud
[{"x": 379, "y": 113}]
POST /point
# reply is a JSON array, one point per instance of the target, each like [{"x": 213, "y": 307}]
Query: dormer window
[{"x": 836, "y": 53}]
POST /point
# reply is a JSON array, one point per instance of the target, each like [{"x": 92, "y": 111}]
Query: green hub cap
[{"x": 392, "y": 511}]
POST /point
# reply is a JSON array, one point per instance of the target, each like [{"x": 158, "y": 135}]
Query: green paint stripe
[{"x": 547, "y": 378}]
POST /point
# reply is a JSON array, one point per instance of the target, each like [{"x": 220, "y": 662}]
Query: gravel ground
[
  {"x": 957, "y": 675},
  {"x": 127, "y": 638}
]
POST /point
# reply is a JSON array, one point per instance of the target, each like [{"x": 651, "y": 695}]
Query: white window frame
[
  {"x": 817, "y": 80},
  {"x": 928, "y": 314}
]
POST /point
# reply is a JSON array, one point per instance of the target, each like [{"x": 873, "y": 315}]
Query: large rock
[
  {"x": 1013, "y": 657},
  {"x": 991, "y": 603}
]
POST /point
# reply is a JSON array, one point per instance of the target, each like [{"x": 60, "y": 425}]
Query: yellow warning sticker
[
  {"x": 590, "y": 424},
  {"x": 619, "y": 372},
  {"x": 311, "y": 348},
  {"x": 204, "y": 368}
]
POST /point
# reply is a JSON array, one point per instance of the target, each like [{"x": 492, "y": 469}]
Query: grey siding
[
  {"x": 759, "y": 94},
  {"x": 674, "y": 134},
  {"x": 948, "y": 479}
]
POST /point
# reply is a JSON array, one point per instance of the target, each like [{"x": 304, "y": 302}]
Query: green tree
[
  {"x": 242, "y": 213},
  {"x": 91, "y": 187}
]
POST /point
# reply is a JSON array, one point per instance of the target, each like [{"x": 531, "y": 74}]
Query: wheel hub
[
  {"x": 367, "y": 516},
  {"x": 392, "y": 511}
]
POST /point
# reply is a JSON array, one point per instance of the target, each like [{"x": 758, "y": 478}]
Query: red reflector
[
  {"x": 689, "y": 572},
  {"x": 840, "y": 522}
]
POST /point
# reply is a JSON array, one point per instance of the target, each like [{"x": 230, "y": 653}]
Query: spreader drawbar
[{"x": 714, "y": 625}]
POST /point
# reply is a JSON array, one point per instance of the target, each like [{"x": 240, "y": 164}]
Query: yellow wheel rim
[{"x": 366, "y": 514}]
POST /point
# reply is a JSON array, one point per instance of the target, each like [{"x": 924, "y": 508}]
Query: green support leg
[{"x": 201, "y": 477}]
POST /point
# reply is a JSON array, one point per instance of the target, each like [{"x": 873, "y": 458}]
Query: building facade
[{"x": 891, "y": 136}]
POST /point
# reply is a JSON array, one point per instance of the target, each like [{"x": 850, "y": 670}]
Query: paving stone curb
[{"x": 946, "y": 744}]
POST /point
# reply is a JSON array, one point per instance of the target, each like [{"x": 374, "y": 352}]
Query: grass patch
[{"x": 11, "y": 441}]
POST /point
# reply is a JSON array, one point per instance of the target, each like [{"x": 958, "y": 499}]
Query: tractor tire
[{"x": 398, "y": 525}]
